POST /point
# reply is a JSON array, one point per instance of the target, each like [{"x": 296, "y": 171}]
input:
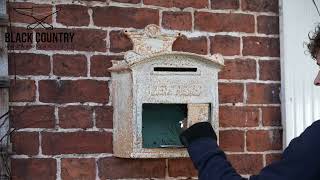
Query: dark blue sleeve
[
  {"x": 300, "y": 160},
  {"x": 210, "y": 161}
]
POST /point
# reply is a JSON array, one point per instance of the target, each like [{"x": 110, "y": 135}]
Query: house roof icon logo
[{"x": 38, "y": 15}]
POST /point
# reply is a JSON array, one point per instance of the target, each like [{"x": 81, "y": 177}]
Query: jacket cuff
[{"x": 197, "y": 131}]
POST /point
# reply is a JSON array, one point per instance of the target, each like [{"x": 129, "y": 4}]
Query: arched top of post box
[{"x": 150, "y": 44}]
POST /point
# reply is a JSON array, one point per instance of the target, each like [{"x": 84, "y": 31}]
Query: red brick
[
  {"x": 99, "y": 65},
  {"x": 128, "y": 1},
  {"x": 68, "y": 91},
  {"x": 78, "y": 169},
  {"x": 35, "y": 169},
  {"x": 25, "y": 143},
  {"x": 270, "y": 70},
  {"x": 274, "y": 157},
  {"x": 238, "y": 116},
  {"x": 178, "y": 3},
  {"x": 124, "y": 17},
  {"x": 75, "y": 117},
  {"x": 196, "y": 45},
  {"x": 246, "y": 163},
  {"x": 14, "y": 39},
  {"x": 182, "y": 167},
  {"x": 119, "y": 42},
  {"x": 260, "y": 5},
  {"x": 83, "y": 40},
  {"x": 177, "y": 20},
  {"x": 32, "y": 117},
  {"x": 18, "y": 16},
  {"x": 69, "y": 65},
  {"x": 28, "y": 64},
  {"x": 118, "y": 168},
  {"x": 223, "y": 4},
  {"x": 264, "y": 140},
  {"x": 219, "y": 22},
  {"x": 232, "y": 140},
  {"x": 268, "y": 24},
  {"x": 22, "y": 90},
  {"x": 225, "y": 45},
  {"x": 80, "y": 142},
  {"x": 230, "y": 93},
  {"x": 238, "y": 69},
  {"x": 263, "y": 93},
  {"x": 271, "y": 116},
  {"x": 261, "y": 46},
  {"x": 73, "y": 15},
  {"x": 104, "y": 116}
]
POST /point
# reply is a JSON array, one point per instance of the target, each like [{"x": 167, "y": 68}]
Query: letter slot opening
[{"x": 175, "y": 69}]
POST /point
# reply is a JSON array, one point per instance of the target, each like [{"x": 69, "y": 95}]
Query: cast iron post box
[{"x": 155, "y": 92}]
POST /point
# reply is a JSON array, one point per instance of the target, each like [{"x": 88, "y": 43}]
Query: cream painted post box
[{"x": 156, "y": 91}]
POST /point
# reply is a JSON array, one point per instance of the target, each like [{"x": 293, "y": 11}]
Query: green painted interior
[{"x": 160, "y": 124}]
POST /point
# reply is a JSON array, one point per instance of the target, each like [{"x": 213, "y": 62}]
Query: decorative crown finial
[{"x": 151, "y": 41}]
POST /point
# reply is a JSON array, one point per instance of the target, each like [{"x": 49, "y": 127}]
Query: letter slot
[{"x": 174, "y": 69}]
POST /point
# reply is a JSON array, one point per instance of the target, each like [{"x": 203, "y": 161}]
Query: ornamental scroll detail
[
  {"x": 148, "y": 43},
  {"x": 152, "y": 42}
]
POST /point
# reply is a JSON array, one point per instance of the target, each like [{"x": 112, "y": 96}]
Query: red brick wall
[{"x": 60, "y": 99}]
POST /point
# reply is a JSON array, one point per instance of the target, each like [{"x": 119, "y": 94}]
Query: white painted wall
[{"x": 300, "y": 98}]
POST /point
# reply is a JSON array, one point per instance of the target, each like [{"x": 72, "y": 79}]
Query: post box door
[{"x": 161, "y": 124}]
